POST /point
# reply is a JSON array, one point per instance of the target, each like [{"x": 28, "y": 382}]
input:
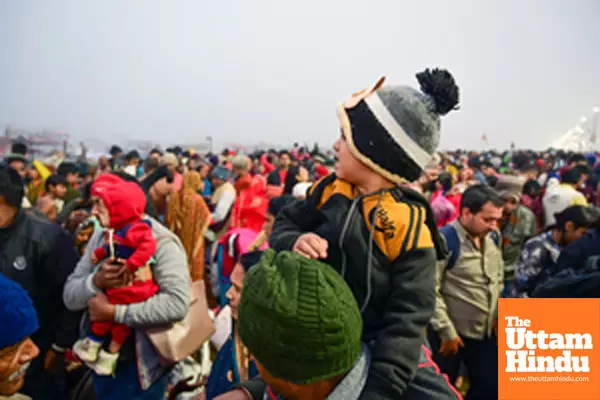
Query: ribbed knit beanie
[
  {"x": 299, "y": 319},
  {"x": 395, "y": 130},
  {"x": 18, "y": 316}
]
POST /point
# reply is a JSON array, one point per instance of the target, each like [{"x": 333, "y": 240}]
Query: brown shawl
[{"x": 188, "y": 217}]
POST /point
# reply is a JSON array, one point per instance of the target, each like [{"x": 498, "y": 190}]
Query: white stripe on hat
[{"x": 412, "y": 148}]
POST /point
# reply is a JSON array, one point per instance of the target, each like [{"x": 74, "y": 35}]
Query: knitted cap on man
[
  {"x": 395, "y": 130},
  {"x": 18, "y": 316},
  {"x": 299, "y": 318}
]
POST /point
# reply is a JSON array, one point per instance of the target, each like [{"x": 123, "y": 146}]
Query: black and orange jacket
[{"x": 382, "y": 245}]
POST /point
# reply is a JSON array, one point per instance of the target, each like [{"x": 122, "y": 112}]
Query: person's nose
[
  {"x": 336, "y": 145},
  {"x": 29, "y": 351}
]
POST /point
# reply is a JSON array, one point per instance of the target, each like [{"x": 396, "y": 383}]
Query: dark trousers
[{"x": 481, "y": 360}]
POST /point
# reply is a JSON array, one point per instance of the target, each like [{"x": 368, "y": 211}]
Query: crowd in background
[
  {"x": 323, "y": 271},
  {"x": 229, "y": 201}
]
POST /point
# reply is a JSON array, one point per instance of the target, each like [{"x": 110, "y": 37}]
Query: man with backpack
[
  {"x": 469, "y": 283},
  {"x": 540, "y": 254}
]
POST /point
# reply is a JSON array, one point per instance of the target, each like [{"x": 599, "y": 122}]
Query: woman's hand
[
  {"x": 100, "y": 309},
  {"x": 110, "y": 275}
]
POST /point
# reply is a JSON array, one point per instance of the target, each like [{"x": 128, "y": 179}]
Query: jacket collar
[
  {"x": 464, "y": 236},
  {"x": 354, "y": 382}
]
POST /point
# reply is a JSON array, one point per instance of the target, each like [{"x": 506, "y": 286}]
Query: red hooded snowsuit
[{"x": 133, "y": 242}]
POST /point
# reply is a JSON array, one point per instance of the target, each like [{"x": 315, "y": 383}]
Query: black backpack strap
[
  {"x": 496, "y": 238},
  {"x": 453, "y": 244}
]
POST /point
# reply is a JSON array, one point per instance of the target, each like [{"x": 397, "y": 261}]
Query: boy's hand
[
  {"x": 311, "y": 245},
  {"x": 450, "y": 347},
  {"x": 94, "y": 259}
]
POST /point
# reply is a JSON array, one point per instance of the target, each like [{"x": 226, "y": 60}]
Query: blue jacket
[
  {"x": 224, "y": 374},
  {"x": 575, "y": 255}
]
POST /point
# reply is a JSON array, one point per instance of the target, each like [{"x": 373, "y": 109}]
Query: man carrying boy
[{"x": 379, "y": 236}]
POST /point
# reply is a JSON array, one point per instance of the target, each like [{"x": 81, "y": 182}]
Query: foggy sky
[{"x": 257, "y": 70}]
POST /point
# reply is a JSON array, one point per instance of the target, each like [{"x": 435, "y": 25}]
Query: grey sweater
[
  {"x": 169, "y": 305},
  {"x": 170, "y": 272}
]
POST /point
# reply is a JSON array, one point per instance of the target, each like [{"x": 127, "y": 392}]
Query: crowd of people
[{"x": 369, "y": 271}]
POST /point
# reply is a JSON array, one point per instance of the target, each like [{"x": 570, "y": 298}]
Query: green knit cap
[{"x": 299, "y": 318}]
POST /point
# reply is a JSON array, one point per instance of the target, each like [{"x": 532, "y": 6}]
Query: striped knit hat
[
  {"x": 395, "y": 130},
  {"x": 299, "y": 319}
]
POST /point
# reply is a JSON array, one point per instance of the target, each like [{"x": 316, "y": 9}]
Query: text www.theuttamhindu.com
[{"x": 568, "y": 378}]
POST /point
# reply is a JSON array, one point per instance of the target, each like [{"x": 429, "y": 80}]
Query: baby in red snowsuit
[{"x": 129, "y": 240}]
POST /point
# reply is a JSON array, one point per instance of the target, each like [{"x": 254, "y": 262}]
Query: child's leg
[
  {"x": 120, "y": 333},
  {"x": 101, "y": 329},
  {"x": 88, "y": 349}
]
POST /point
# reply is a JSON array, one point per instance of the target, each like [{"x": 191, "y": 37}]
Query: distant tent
[{"x": 575, "y": 139}]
